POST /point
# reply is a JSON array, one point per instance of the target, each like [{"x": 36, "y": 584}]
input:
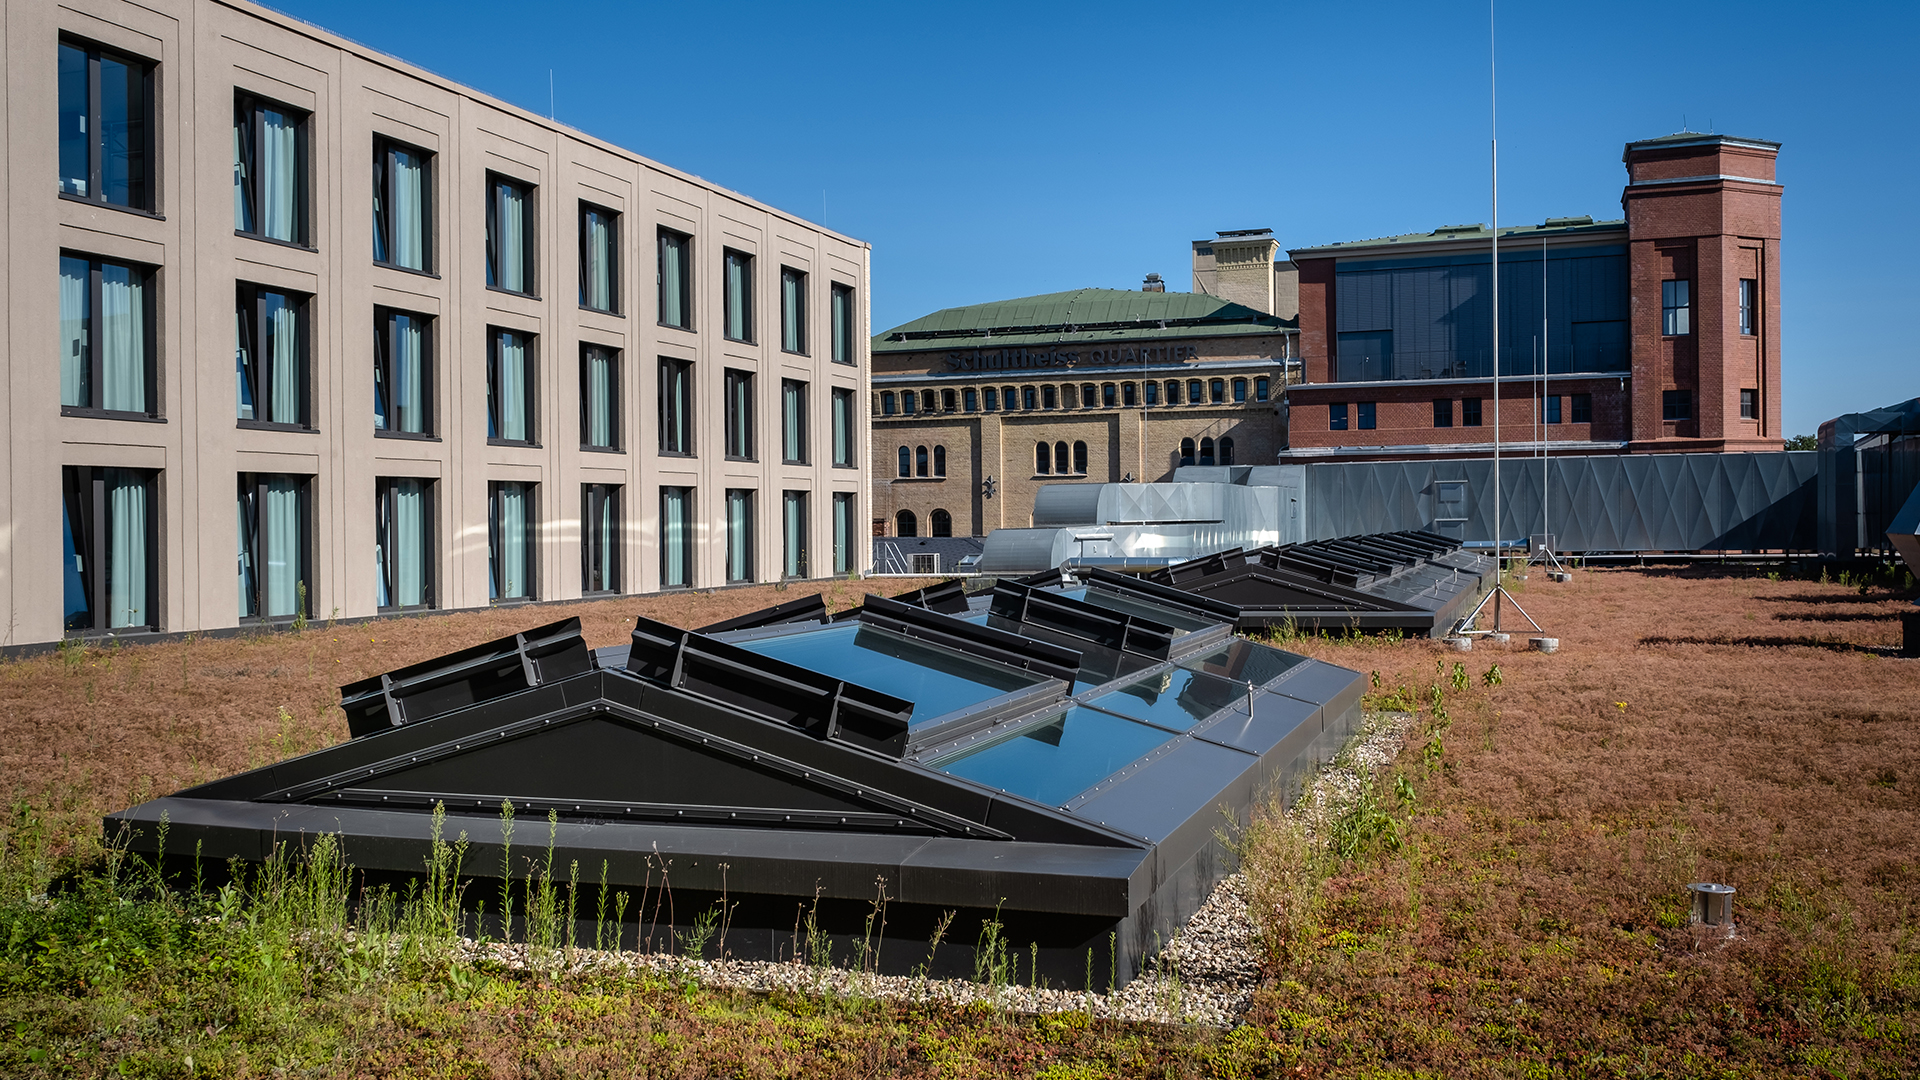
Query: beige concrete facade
[{"x": 205, "y": 52}]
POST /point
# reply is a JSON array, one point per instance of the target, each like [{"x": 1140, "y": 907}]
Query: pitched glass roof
[
  {"x": 937, "y": 681},
  {"x": 1052, "y": 761},
  {"x": 1173, "y": 698}
]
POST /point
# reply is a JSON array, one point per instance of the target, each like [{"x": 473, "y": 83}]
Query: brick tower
[{"x": 1703, "y": 221}]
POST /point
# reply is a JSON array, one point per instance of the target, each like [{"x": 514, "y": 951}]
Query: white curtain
[
  {"x": 672, "y": 284},
  {"x": 511, "y": 387},
  {"x": 282, "y": 536},
  {"x": 737, "y": 285},
  {"x": 409, "y": 182},
  {"x": 510, "y": 238},
  {"x": 791, "y": 313},
  {"x": 603, "y": 526},
  {"x": 283, "y": 356},
  {"x": 279, "y": 176},
  {"x": 127, "y": 543},
  {"x": 599, "y": 268},
  {"x": 842, "y": 317},
  {"x": 76, "y": 370},
  {"x": 409, "y": 383},
  {"x": 842, "y": 531},
  {"x": 796, "y": 527},
  {"x": 842, "y": 423},
  {"x": 599, "y": 397},
  {"x": 410, "y": 542},
  {"x": 793, "y": 398},
  {"x": 123, "y": 339},
  {"x": 739, "y": 535},
  {"x": 510, "y": 556},
  {"x": 673, "y": 538}
]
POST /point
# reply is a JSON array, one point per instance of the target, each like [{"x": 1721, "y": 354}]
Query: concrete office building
[
  {"x": 974, "y": 408},
  {"x": 291, "y": 322}
]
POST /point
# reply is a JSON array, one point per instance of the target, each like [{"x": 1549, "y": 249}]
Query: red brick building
[{"x": 1658, "y": 332}]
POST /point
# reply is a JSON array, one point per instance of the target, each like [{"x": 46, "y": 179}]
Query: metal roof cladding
[
  {"x": 1080, "y": 315},
  {"x": 1561, "y": 226},
  {"x": 1056, "y": 757}
]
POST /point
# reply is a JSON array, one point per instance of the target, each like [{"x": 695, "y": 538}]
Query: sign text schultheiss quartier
[{"x": 1016, "y": 359}]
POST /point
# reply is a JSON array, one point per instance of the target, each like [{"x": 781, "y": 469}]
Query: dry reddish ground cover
[
  {"x": 91, "y": 731},
  {"x": 1695, "y": 726}
]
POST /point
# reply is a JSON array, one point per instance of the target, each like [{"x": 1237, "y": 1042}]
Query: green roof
[
  {"x": 1079, "y": 315},
  {"x": 1567, "y": 226}
]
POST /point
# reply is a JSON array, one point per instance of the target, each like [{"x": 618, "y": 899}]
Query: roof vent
[
  {"x": 1154, "y": 284},
  {"x": 1566, "y": 222},
  {"x": 1475, "y": 227}
]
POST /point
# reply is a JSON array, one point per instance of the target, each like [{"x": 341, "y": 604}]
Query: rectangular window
[
  {"x": 270, "y": 357},
  {"x": 112, "y": 555},
  {"x": 739, "y": 421},
  {"x": 402, "y": 206},
  {"x": 739, "y": 535},
  {"x": 1749, "y": 405},
  {"x": 1218, "y": 388},
  {"x": 1261, "y": 389},
  {"x": 993, "y": 399},
  {"x": 1749, "y": 306},
  {"x": 1173, "y": 391},
  {"x": 793, "y": 422},
  {"x": 1027, "y": 398},
  {"x": 738, "y": 295},
  {"x": 676, "y": 406},
  {"x": 599, "y": 538},
  {"x": 676, "y": 279},
  {"x": 1049, "y": 397},
  {"x": 510, "y": 210},
  {"x": 599, "y": 259},
  {"x": 510, "y": 387},
  {"x": 1366, "y": 416},
  {"x": 1337, "y": 416},
  {"x": 402, "y": 372},
  {"x": 793, "y": 531},
  {"x": 403, "y": 543},
  {"x": 1553, "y": 408},
  {"x": 1129, "y": 396},
  {"x": 844, "y": 323},
  {"x": 793, "y": 310},
  {"x": 275, "y": 518},
  {"x": 844, "y": 427},
  {"x": 510, "y": 541},
  {"x": 106, "y": 126},
  {"x": 910, "y": 403},
  {"x": 843, "y": 532},
  {"x": 107, "y": 341},
  {"x": 599, "y": 398},
  {"x": 1196, "y": 392},
  {"x": 1676, "y": 404},
  {"x": 1442, "y": 412},
  {"x": 1153, "y": 393},
  {"x": 676, "y": 537},
  {"x": 970, "y": 399},
  {"x": 1470, "y": 412},
  {"x": 1676, "y": 308},
  {"x": 1581, "y": 406},
  {"x": 1239, "y": 391},
  {"x": 269, "y": 170}
]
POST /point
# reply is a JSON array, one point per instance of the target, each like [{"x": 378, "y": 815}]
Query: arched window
[
  {"x": 1173, "y": 391},
  {"x": 1047, "y": 398},
  {"x": 1226, "y": 451},
  {"x": 906, "y": 462},
  {"x": 1196, "y": 392},
  {"x": 886, "y": 403},
  {"x": 926, "y": 401},
  {"x": 993, "y": 399},
  {"x": 971, "y": 398},
  {"x": 1239, "y": 391},
  {"x": 1042, "y": 458},
  {"x": 1206, "y": 451},
  {"x": 940, "y": 523},
  {"x": 1186, "y": 451},
  {"x": 920, "y": 461},
  {"x": 909, "y": 403},
  {"x": 939, "y": 463},
  {"x": 1060, "y": 460},
  {"x": 904, "y": 525},
  {"x": 1107, "y": 395},
  {"x": 1218, "y": 387},
  {"x": 1012, "y": 396},
  {"x": 1153, "y": 393},
  {"x": 1080, "y": 458},
  {"x": 1127, "y": 397},
  {"x": 1028, "y": 398},
  {"x": 1260, "y": 388},
  {"x": 1089, "y": 394},
  {"x": 948, "y": 401}
]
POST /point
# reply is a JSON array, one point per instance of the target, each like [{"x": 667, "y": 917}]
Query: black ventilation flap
[
  {"x": 1163, "y": 595},
  {"x": 1030, "y": 607},
  {"x": 456, "y": 680},
  {"x": 972, "y": 639},
  {"x": 1205, "y": 566},
  {"x": 825, "y": 707},
  {"x": 806, "y": 609},
  {"x": 948, "y": 598}
]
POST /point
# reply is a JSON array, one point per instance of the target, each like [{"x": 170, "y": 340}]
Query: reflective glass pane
[
  {"x": 1179, "y": 620},
  {"x": 1058, "y": 759},
  {"x": 1175, "y": 698},
  {"x": 74, "y": 165},
  {"x": 1245, "y": 661},
  {"x": 935, "y": 680},
  {"x": 123, "y": 134}
]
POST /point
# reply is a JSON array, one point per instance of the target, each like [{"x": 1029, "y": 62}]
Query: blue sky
[{"x": 998, "y": 150}]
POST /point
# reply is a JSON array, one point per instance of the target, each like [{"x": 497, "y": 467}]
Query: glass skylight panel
[
  {"x": 1245, "y": 662},
  {"x": 935, "y": 680},
  {"x": 1055, "y": 760},
  {"x": 1175, "y": 698}
]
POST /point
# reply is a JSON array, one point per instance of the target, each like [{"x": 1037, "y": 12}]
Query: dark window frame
[
  {"x": 939, "y": 523},
  {"x": 307, "y": 538},
  {"x": 737, "y": 414},
  {"x": 940, "y": 461},
  {"x": 249, "y": 305},
  {"x": 677, "y": 432},
  {"x": 1262, "y": 388},
  {"x": 615, "y": 229},
  {"x": 84, "y": 501},
  {"x": 905, "y": 461},
  {"x": 748, "y": 542},
  {"x": 1556, "y": 410},
  {"x": 614, "y": 431},
  {"x": 150, "y": 151},
  {"x": 1749, "y": 403},
  {"x": 247, "y": 109},
  {"x": 691, "y": 494},
  {"x": 1043, "y": 458},
  {"x": 672, "y": 243},
  {"x": 383, "y": 176},
  {"x": 96, "y": 351},
  {"x": 1079, "y": 457},
  {"x": 1749, "y": 307},
  {"x": 844, "y": 421},
  {"x": 384, "y": 495},
  {"x": 531, "y": 344},
  {"x": 1472, "y": 412},
  {"x": 592, "y": 498},
  {"x": 1368, "y": 418},
  {"x": 532, "y": 528},
  {"x": 529, "y": 244},
  {"x": 845, "y": 332},
  {"x": 1676, "y": 310},
  {"x": 1443, "y": 412},
  {"x": 1337, "y": 416},
  {"x": 1676, "y": 406},
  {"x": 729, "y": 257},
  {"x": 799, "y": 278},
  {"x": 791, "y": 440},
  {"x": 970, "y": 400},
  {"x": 1580, "y": 408},
  {"x": 383, "y": 349},
  {"x": 844, "y": 521},
  {"x": 795, "y": 566}
]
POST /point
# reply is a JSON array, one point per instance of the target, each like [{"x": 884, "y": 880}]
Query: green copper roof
[
  {"x": 1080, "y": 315},
  {"x": 1567, "y": 226}
]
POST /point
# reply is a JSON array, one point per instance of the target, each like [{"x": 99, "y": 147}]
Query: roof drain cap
[{"x": 1712, "y": 909}]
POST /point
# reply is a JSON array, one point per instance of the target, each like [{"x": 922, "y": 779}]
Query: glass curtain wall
[
  {"x": 269, "y": 170},
  {"x": 106, "y": 336},
  {"x": 403, "y": 522},
  {"x": 793, "y": 310},
  {"x": 676, "y": 406},
  {"x": 676, "y": 279},
  {"x": 401, "y": 210},
  {"x": 739, "y": 419},
  {"x": 111, "y": 556},
  {"x": 793, "y": 528},
  {"x": 739, "y": 535},
  {"x": 843, "y": 532},
  {"x": 676, "y": 537},
  {"x": 510, "y": 407},
  {"x": 793, "y": 422},
  {"x": 105, "y": 126},
  {"x": 599, "y": 258},
  {"x": 401, "y": 396},
  {"x": 739, "y": 296},
  {"x": 510, "y": 548},
  {"x": 843, "y": 325},
  {"x": 270, "y": 356},
  {"x": 599, "y": 397},
  {"x": 509, "y": 236},
  {"x": 275, "y": 568},
  {"x": 600, "y": 538},
  {"x": 843, "y": 427}
]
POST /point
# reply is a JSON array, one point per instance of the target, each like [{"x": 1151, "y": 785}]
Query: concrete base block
[
  {"x": 1461, "y": 644},
  {"x": 1499, "y": 638},
  {"x": 1560, "y": 575},
  {"x": 1545, "y": 644}
]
